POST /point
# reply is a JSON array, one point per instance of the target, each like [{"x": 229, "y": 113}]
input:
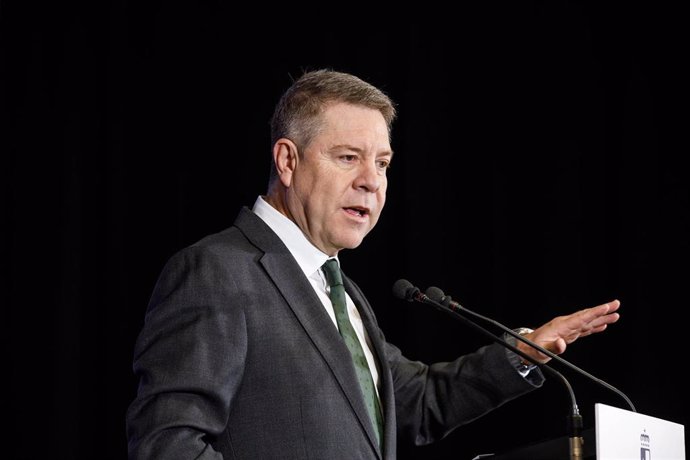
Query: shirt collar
[{"x": 308, "y": 257}]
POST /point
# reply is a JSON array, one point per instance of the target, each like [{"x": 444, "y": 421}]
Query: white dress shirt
[{"x": 310, "y": 259}]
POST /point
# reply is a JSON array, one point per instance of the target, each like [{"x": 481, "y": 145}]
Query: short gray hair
[{"x": 297, "y": 114}]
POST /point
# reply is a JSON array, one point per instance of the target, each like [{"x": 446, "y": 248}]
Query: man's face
[{"x": 338, "y": 187}]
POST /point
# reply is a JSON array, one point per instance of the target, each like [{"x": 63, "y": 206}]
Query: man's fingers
[
  {"x": 600, "y": 311},
  {"x": 564, "y": 330}
]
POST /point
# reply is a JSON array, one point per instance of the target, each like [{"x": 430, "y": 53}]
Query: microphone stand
[
  {"x": 574, "y": 425},
  {"x": 574, "y": 419},
  {"x": 405, "y": 290}
]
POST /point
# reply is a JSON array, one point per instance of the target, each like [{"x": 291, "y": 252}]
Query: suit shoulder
[{"x": 229, "y": 242}]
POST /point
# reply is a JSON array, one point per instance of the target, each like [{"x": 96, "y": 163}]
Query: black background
[{"x": 539, "y": 169}]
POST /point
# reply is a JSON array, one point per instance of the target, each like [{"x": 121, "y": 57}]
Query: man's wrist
[{"x": 522, "y": 365}]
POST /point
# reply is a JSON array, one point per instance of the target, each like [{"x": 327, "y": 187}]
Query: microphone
[
  {"x": 447, "y": 302},
  {"x": 404, "y": 290}
]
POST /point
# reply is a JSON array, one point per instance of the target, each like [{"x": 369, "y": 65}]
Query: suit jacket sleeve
[
  {"x": 433, "y": 400},
  {"x": 186, "y": 376}
]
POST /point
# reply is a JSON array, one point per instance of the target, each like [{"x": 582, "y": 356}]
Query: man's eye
[
  {"x": 348, "y": 158},
  {"x": 384, "y": 164}
]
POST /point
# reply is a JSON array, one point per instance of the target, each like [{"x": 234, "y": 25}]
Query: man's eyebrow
[{"x": 359, "y": 150}]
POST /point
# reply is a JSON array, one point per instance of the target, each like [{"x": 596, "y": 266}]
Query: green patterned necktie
[{"x": 337, "y": 295}]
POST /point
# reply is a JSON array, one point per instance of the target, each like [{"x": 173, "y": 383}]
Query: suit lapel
[{"x": 299, "y": 294}]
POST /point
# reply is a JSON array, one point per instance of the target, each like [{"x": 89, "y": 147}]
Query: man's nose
[{"x": 369, "y": 177}]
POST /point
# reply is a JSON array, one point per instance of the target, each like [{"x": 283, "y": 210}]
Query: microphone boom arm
[{"x": 456, "y": 308}]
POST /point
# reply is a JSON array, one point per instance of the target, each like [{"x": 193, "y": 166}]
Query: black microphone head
[
  {"x": 435, "y": 294},
  {"x": 403, "y": 289}
]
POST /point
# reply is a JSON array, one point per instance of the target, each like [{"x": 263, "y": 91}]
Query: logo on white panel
[{"x": 645, "y": 446}]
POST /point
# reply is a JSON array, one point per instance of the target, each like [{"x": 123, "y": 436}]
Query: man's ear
[{"x": 285, "y": 158}]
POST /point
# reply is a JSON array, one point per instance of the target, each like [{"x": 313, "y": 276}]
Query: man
[{"x": 241, "y": 357}]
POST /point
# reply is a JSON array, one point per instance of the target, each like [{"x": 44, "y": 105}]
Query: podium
[
  {"x": 618, "y": 434},
  {"x": 553, "y": 449}
]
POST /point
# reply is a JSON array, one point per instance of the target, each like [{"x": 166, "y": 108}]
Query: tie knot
[{"x": 332, "y": 272}]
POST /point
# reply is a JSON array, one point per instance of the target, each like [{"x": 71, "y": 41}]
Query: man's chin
[{"x": 352, "y": 243}]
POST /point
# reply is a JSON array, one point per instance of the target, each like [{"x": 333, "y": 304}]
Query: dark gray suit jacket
[{"x": 238, "y": 359}]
